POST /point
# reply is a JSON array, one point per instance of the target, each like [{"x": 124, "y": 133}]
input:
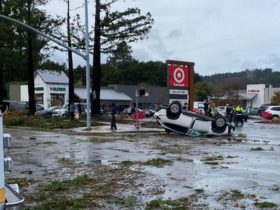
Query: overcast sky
[{"x": 217, "y": 35}]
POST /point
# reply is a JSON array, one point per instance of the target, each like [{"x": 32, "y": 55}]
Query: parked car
[
  {"x": 271, "y": 112},
  {"x": 61, "y": 111},
  {"x": 198, "y": 107},
  {"x": 149, "y": 113},
  {"x": 263, "y": 108},
  {"x": 254, "y": 111},
  {"x": 20, "y": 105},
  {"x": 47, "y": 112},
  {"x": 141, "y": 114}
]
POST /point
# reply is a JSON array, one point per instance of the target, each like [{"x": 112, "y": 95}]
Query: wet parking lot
[{"x": 238, "y": 172}]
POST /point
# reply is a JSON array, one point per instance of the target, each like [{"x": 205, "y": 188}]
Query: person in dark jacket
[
  {"x": 72, "y": 110},
  {"x": 113, "y": 120},
  {"x": 206, "y": 107}
]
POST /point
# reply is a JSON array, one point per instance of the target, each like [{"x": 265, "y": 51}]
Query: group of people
[{"x": 211, "y": 110}]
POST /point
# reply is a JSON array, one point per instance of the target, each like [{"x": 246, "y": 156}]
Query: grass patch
[
  {"x": 199, "y": 190},
  {"x": 212, "y": 160},
  {"x": 241, "y": 135},
  {"x": 52, "y": 195},
  {"x": 127, "y": 163},
  {"x": 265, "y": 204},
  {"x": 230, "y": 156},
  {"x": 214, "y": 163},
  {"x": 257, "y": 149},
  {"x": 158, "y": 162},
  {"x": 275, "y": 188},
  {"x": 60, "y": 186},
  {"x": 41, "y": 123},
  {"x": 129, "y": 201},
  {"x": 180, "y": 204},
  {"x": 66, "y": 161},
  {"x": 59, "y": 203},
  {"x": 237, "y": 195},
  {"x": 22, "y": 182}
]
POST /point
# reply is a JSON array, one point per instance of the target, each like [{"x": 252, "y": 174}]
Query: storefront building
[
  {"x": 258, "y": 94},
  {"x": 51, "y": 88}
]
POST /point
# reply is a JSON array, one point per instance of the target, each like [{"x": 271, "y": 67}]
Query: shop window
[
  {"x": 57, "y": 99},
  {"x": 39, "y": 98}
]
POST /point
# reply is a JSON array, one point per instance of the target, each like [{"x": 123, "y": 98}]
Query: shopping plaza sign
[
  {"x": 178, "y": 76},
  {"x": 181, "y": 82}
]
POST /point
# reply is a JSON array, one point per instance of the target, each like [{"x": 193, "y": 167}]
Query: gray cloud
[{"x": 217, "y": 35}]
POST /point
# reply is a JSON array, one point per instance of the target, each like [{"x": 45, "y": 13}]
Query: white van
[{"x": 198, "y": 107}]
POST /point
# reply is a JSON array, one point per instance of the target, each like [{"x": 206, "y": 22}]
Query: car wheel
[
  {"x": 275, "y": 117},
  {"x": 174, "y": 110},
  {"x": 219, "y": 124},
  {"x": 4, "y": 108}
]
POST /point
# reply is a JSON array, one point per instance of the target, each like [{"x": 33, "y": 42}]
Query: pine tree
[{"x": 110, "y": 31}]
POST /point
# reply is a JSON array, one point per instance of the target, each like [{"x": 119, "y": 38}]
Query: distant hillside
[{"x": 239, "y": 80}]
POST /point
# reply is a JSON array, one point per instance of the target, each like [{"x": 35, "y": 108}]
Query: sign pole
[
  {"x": 137, "y": 112},
  {"x": 2, "y": 181},
  {"x": 87, "y": 68}
]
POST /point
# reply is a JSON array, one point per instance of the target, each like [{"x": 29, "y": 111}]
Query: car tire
[
  {"x": 174, "y": 110},
  {"x": 219, "y": 124},
  {"x": 4, "y": 108},
  {"x": 275, "y": 117}
]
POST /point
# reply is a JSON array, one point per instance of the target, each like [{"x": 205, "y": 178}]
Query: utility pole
[
  {"x": 2, "y": 181},
  {"x": 87, "y": 69}
]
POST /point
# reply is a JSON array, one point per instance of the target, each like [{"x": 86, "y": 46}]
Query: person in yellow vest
[
  {"x": 239, "y": 109},
  {"x": 238, "y": 116}
]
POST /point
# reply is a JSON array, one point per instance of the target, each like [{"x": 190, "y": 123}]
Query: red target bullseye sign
[{"x": 178, "y": 76}]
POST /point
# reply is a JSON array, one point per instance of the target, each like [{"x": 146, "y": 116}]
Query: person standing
[
  {"x": 228, "y": 113},
  {"x": 79, "y": 107},
  {"x": 185, "y": 107},
  {"x": 206, "y": 106},
  {"x": 113, "y": 120},
  {"x": 72, "y": 110}
]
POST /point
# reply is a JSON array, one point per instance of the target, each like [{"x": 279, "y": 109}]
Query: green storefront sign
[
  {"x": 39, "y": 88},
  {"x": 58, "y": 89}
]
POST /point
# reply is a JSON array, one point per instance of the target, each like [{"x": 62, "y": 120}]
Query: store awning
[
  {"x": 106, "y": 94},
  {"x": 247, "y": 96}
]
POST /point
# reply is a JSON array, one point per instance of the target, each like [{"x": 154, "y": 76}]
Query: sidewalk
[{"x": 122, "y": 128}]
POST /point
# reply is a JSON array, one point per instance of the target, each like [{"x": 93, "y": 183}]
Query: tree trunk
[
  {"x": 96, "y": 77},
  {"x": 1, "y": 82},
  {"x": 70, "y": 58},
  {"x": 1, "y": 68},
  {"x": 30, "y": 66}
]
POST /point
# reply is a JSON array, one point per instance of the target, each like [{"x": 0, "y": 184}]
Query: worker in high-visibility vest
[
  {"x": 239, "y": 109},
  {"x": 2, "y": 182}
]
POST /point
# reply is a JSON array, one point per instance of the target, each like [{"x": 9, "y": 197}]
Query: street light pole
[{"x": 87, "y": 68}]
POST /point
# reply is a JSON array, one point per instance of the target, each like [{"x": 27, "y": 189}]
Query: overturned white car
[{"x": 174, "y": 119}]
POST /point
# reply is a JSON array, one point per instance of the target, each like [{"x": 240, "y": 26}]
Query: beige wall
[
  {"x": 14, "y": 92},
  {"x": 269, "y": 93}
]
